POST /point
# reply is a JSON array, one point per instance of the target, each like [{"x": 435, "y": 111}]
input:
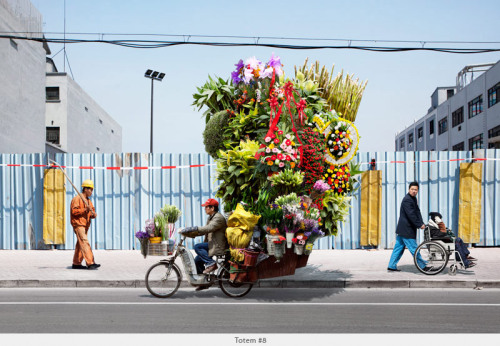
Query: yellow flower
[
  {"x": 336, "y": 131},
  {"x": 271, "y": 146},
  {"x": 293, "y": 143},
  {"x": 269, "y": 163}
]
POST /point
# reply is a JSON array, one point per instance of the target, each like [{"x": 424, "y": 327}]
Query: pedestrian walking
[
  {"x": 82, "y": 211},
  {"x": 410, "y": 219}
]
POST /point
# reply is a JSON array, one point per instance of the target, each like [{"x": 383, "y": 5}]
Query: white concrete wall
[
  {"x": 84, "y": 126},
  {"x": 22, "y": 81}
]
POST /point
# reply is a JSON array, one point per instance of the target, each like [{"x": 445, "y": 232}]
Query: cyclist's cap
[{"x": 210, "y": 201}]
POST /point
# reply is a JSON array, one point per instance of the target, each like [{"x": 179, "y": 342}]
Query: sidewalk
[{"x": 326, "y": 268}]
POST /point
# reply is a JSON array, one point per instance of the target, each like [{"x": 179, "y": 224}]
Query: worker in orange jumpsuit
[{"x": 81, "y": 213}]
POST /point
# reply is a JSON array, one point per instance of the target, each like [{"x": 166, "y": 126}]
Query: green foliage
[
  {"x": 335, "y": 210},
  {"x": 287, "y": 181},
  {"x": 160, "y": 223},
  {"x": 213, "y": 136},
  {"x": 244, "y": 126},
  {"x": 171, "y": 213},
  {"x": 235, "y": 168},
  {"x": 354, "y": 177},
  {"x": 258, "y": 206},
  {"x": 216, "y": 94},
  {"x": 272, "y": 217},
  {"x": 289, "y": 199}
]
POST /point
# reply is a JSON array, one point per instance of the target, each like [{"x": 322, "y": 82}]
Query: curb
[{"x": 262, "y": 284}]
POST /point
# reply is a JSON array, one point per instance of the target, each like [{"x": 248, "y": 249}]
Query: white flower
[{"x": 330, "y": 142}]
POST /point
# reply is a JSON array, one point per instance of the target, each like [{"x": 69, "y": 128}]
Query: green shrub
[{"x": 213, "y": 136}]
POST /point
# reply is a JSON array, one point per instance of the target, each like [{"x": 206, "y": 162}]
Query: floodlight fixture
[
  {"x": 160, "y": 77},
  {"x": 148, "y": 73},
  {"x": 153, "y": 75}
]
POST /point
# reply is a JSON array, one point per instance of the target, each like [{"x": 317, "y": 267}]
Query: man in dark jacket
[
  {"x": 215, "y": 242},
  {"x": 410, "y": 219}
]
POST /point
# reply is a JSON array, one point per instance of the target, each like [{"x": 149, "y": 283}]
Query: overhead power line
[{"x": 150, "y": 44}]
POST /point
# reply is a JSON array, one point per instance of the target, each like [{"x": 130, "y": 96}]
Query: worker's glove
[{"x": 190, "y": 231}]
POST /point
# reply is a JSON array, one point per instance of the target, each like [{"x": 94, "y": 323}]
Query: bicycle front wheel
[
  {"x": 231, "y": 289},
  {"x": 163, "y": 279}
]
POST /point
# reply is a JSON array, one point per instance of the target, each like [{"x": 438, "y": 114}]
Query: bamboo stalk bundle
[{"x": 342, "y": 93}]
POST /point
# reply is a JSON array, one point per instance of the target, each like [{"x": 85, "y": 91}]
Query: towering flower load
[{"x": 284, "y": 149}]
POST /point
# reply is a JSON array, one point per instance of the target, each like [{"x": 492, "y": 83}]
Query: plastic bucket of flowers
[
  {"x": 143, "y": 238},
  {"x": 298, "y": 249},
  {"x": 250, "y": 258},
  {"x": 271, "y": 246}
]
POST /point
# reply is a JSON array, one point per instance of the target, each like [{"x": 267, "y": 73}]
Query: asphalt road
[{"x": 107, "y": 310}]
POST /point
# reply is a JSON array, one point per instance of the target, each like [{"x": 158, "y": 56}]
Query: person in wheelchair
[
  {"x": 439, "y": 231},
  {"x": 215, "y": 242}
]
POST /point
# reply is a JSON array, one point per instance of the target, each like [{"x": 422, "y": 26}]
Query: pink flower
[
  {"x": 275, "y": 150},
  {"x": 268, "y": 139},
  {"x": 288, "y": 136},
  {"x": 283, "y": 146},
  {"x": 281, "y": 164},
  {"x": 268, "y": 150}
]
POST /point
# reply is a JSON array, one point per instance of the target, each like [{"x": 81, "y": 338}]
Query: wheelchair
[{"x": 437, "y": 253}]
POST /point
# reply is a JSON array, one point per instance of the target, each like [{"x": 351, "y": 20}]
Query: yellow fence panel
[
  {"x": 469, "y": 221},
  {"x": 54, "y": 207},
  {"x": 371, "y": 208}
]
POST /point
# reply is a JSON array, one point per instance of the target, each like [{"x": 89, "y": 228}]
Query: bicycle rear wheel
[
  {"x": 163, "y": 279},
  {"x": 231, "y": 289},
  {"x": 434, "y": 255}
]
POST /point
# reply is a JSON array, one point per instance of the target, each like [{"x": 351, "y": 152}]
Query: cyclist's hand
[{"x": 190, "y": 231}]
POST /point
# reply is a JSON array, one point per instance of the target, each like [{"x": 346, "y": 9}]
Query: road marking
[{"x": 250, "y": 303}]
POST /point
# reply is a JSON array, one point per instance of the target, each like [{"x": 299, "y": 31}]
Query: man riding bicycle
[{"x": 215, "y": 242}]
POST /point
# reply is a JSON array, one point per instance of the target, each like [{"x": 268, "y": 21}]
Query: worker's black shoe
[
  {"x": 393, "y": 270},
  {"x": 78, "y": 266},
  {"x": 93, "y": 266}
]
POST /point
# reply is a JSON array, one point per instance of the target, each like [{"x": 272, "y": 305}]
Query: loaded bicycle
[{"x": 164, "y": 278}]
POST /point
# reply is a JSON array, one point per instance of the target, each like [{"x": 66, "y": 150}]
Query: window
[
  {"x": 402, "y": 143},
  {"x": 420, "y": 132},
  {"x": 443, "y": 125},
  {"x": 457, "y": 117},
  {"x": 459, "y": 147},
  {"x": 52, "y": 93},
  {"x": 476, "y": 142},
  {"x": 410, "y": 139},
  {"x": 449, "y": 93},
  {"x": 475, "y": 106},
  {"x": 493, "y": 95},
  {"x": 431, "y": 127},
  {"x": 52, "y": 135},
  {"x": 494, "y": 132}
]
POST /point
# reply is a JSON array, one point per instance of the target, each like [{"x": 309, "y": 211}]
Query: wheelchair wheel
[
  {"x": 453, "y": 269},
  {"x": 434, "y": 255}
]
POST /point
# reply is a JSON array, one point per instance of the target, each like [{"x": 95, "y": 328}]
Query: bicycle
[{"x": 164, "y": 278}]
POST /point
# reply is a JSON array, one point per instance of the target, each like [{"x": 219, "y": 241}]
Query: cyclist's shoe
[
  {"x": 201, "y": 288},
  {"x": 210, "y": 269}
]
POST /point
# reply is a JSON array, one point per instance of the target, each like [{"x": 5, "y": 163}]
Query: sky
[{"x": 399, "y": 84}]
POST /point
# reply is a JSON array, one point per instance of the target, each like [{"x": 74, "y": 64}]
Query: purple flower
[
  {"x": 235, "y": 75},
  {"x": 239, "y": 65},
  {"x": 275, "y": 63},
  {"x": 142, "y": 235}
]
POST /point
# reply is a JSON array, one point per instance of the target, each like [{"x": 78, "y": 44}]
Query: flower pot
[
  {"x": 289, "y": 237},
  {"x": 279, "y": 250},
  {"x": 298, "y": 249},
  {"x": 155, "y": 240},
  {"x": 308, "y": 248},
  {"x": 270, "y": 244},
  {"x": 250, "y": 258}
]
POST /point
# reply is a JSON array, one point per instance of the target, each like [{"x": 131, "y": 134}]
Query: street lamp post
[{"x": 153, "y": 75}]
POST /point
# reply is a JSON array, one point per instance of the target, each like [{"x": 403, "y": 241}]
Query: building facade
[
  {"x": 22, "y": 80},
  {"x": 463, "y": 117},
  {"x": 41, "y": 109},
  {"x": 74, "y": 121}
]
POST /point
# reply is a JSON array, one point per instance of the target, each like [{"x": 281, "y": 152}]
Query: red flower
[
  {"x": 273, "y": 136},
  {"x": 280, "y": 132},
  {"x": 288, "y": 158},
  {"x": 280, "y": 156},
  {"x": 288, "y": 142},
  {"x": 276, "y": 141},
  {"x": 273, "y": 157}
]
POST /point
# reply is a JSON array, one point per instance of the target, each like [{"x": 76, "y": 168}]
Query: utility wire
[{"x": 150, "y": 44}]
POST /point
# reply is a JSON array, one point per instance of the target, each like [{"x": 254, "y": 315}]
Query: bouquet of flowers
[
  {"x": 171, "y": 213},
  {"x": 143, "y": 237},
  {"x": 279, "y": 151},
  {"x": 160, "y": 224},
  {"x": 300, "y": 239},
  {"x": 338, "y": 178},
  {"x": 149, "y": 228}
]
